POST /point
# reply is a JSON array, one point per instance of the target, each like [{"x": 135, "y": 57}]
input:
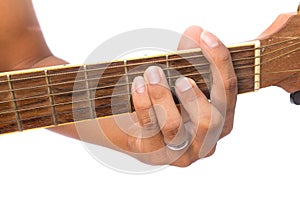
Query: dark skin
[{"x": 22, "y": 46}]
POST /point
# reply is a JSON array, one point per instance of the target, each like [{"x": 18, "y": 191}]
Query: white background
[{"x": 259, "y": 160}]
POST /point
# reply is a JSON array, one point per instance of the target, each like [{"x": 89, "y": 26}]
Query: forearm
[
  {"x": 21, "y": 41},
  {"x": 23, "y": 46}
]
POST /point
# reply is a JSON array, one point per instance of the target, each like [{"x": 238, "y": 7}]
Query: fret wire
[
  {"x": 50, "y": 98},
  {"x": 17, "y": 114},
  {"x": 88, "y": 91},
  {"x": 175, "y": 53},
  {"x": 128, "y": 85},
  {"x": 168, "y": 69}
]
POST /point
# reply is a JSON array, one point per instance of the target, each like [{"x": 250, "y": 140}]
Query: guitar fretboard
[{"x": 64, "y": 94}]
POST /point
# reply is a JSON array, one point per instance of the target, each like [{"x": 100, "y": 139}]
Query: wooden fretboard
[{"x": 64, "y": 94}]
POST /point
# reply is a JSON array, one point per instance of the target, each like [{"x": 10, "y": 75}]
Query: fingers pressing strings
[
  {"x": 168, "y": 116},
  {"x": 224, "y": 82},
  {"x": 224, "y": 87}
]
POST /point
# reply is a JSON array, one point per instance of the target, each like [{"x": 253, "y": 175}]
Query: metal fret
[
  {"x": 128, "y": 85},
  {"x": 87, "y": 85},
  {"x": 11, "y": 89},
  {"x": 51, "y": 98},
  {"x": 168, "y": 70}
]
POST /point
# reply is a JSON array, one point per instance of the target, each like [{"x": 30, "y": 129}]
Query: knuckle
[
  {"x": 148, "y": 120},
  {"x": 146, "y": 116},
  {"x": 139, "y": 105},
  {"x": 152, "y": 127}
]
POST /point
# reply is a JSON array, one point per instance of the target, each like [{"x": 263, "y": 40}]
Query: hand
[{"x": 201, "y": 122}]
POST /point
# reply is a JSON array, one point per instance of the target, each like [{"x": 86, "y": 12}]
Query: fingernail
[
  {"x": 183, "y": 84},
  {"x": 153, "y": 75},
  {"x": 209, "y": 39},
  {"x": 139, "y": 84}
]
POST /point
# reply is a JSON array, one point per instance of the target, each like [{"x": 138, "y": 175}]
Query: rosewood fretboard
[{"x": 57, "y": 95}]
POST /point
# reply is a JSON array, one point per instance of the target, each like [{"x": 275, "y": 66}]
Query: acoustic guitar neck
[{"x": 58, "y": 95}]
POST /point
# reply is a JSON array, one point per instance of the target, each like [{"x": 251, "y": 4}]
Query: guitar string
[
  {"x": 137, "y": 73},
  {"x": 162, "y": 57},
  {"x": 97, "y": 88}
]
